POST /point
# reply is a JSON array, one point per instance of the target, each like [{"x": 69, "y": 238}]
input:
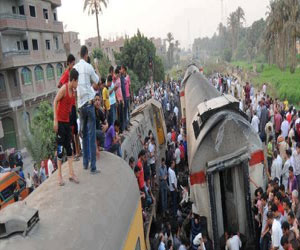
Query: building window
[
  {"x": 54, "y": 16},
  {"x": 2, "y": 82},
  {"x": 32, "y": 11},
  {"x": 59, "y": 70},
  {"x": 56, "y": 42},
  {"x": 21, "y": 10},
  {"x": 47, "y": 44},
  {"x": 39, "y": 73},
  {"x": 45, "y": 13},
  {"x": 50, "y": 72},
  {"x": 35, "y": 45},
  {"x": 18, "y": 45},
  {"x": 25, "y": 44},
  {"x": 14, "y": 10},
  {"x": 26, "y": 76}
]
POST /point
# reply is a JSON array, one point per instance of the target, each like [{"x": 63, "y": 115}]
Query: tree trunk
[
  {"x": 98, "y": 32},
  {"x": 293, "y": 52}
]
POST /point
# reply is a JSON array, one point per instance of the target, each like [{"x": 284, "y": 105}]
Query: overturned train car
[{"x": 223, "y": 152}]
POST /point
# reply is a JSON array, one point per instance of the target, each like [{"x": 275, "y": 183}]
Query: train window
[
  {"x": 9, "y": 191},
  {"x": 196, "y": 128},
  {"x": 138, "y": 244}
]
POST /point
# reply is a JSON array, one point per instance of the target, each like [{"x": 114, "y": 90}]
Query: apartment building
[
  {"x": 32, "y": 58},
  {"x": 109, "y": 47},
  {"x": 72, "y": 44}
]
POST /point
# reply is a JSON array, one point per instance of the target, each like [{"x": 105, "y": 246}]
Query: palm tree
[
  {"x": 170, "y": 38},
  {"x": 291, "y": 26},
  {"x": 232, "y": 23},
  {"x": 95, "y": 7}
]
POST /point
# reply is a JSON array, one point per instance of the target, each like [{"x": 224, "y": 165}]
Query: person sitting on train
[
  {"x": 101, "y": 123},
  {"x": 112, "y": 139}
]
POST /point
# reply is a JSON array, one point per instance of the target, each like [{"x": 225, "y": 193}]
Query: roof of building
[{"x": 95, "y": 214}]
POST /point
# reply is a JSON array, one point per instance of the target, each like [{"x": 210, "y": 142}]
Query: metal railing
[
  {"x": 12, "y": 16},
  {"x": 16, "y": 53}
]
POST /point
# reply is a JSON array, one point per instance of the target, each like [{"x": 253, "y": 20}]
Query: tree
[
  {"x": 170, "y": 52},
  {"x": 95, "y": 7},
  {"x": 103, "y": 61},
  {"x": 41, "y": 141},
  {"x": 135, "y": 55},
  {"x": 292, "y": 27}
]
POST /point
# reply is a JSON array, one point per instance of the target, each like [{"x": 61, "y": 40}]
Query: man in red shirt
[
  {"x": 62, "y": 107},
  {"x": 73, "y": 115}
]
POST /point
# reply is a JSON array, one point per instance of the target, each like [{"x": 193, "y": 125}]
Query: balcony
[
  {"x": 15, "y": 58},
  {"x": 20, "y": 22},
  {"x": 12, "y": 21}
]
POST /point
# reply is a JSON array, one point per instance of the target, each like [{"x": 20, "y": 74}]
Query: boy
[
  {"x": 105, "y": 95},
  {"x": 62, "y": 107}
]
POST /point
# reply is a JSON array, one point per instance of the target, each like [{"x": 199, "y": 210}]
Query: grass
[{"x": 282, "y": 84}]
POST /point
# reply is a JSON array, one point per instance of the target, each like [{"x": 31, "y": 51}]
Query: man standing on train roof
[
  {"x": 85, "y": 97},
  {"x": 62, "y": 107}
]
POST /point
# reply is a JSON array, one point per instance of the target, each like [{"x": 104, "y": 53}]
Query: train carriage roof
[{"x": 95, "y": 214}]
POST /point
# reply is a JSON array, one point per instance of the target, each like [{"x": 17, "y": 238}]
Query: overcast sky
[{"x": 186, "y": 19}]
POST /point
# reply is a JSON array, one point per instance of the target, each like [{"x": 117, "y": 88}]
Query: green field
[{"x": 282, "y": 84}]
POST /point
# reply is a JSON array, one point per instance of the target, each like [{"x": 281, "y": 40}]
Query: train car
[
  {"x": 223, "y": 152},
  {"x": 147, "y": 116},
  {"x": 102, "y": 212}
]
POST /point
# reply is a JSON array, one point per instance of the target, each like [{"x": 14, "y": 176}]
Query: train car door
[{"x": 229, "y": 193}]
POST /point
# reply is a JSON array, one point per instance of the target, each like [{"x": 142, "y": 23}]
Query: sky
[{"x": 185, "y": 19}]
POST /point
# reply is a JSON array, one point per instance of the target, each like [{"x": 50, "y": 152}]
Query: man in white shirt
[
  {"x": 233, "y": 243},
  {"x": 85, "y": 97},
  {"x": 276, "y": 231},
  {"x": 285, "y": 127},
  {"x": 276, "y": 167},
  {"x": 176, "y": 111},
  {"x": 173, "y": 187},
  {"x": 177, "y": 155},
  {"x": 255, "y": 122},
  {"x": 295, "y": 160},
  {"x": 151, "y": 149},
  {"x": 50, "y": 166}
]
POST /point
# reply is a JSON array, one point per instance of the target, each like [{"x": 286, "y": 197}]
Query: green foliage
[
  {"x": 103, "y": 61},
  {"x": 135, "y": 55},
  {"x": 135, "y": 83},
  {"x": 282, "y": 83},
  {"x": 159, "y": 71},
  {"x": 227, "y": 55},
  {"x": 40, "y": 142}
]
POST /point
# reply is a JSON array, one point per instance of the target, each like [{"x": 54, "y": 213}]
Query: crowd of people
[{"x": 276, "y": 207}]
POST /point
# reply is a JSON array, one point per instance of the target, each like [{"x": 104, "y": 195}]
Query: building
[
  {"x": 160, "y": 45},
  {"x": 109, "y": 47},
  {"x": 72, "y": 44},
  {"x": 32, "y": 56}
]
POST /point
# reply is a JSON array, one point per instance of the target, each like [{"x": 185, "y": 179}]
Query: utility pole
[{"x": 222, "y": 12}]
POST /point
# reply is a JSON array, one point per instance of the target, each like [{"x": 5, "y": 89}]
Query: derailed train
[{"x": 224, "y": 153}]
